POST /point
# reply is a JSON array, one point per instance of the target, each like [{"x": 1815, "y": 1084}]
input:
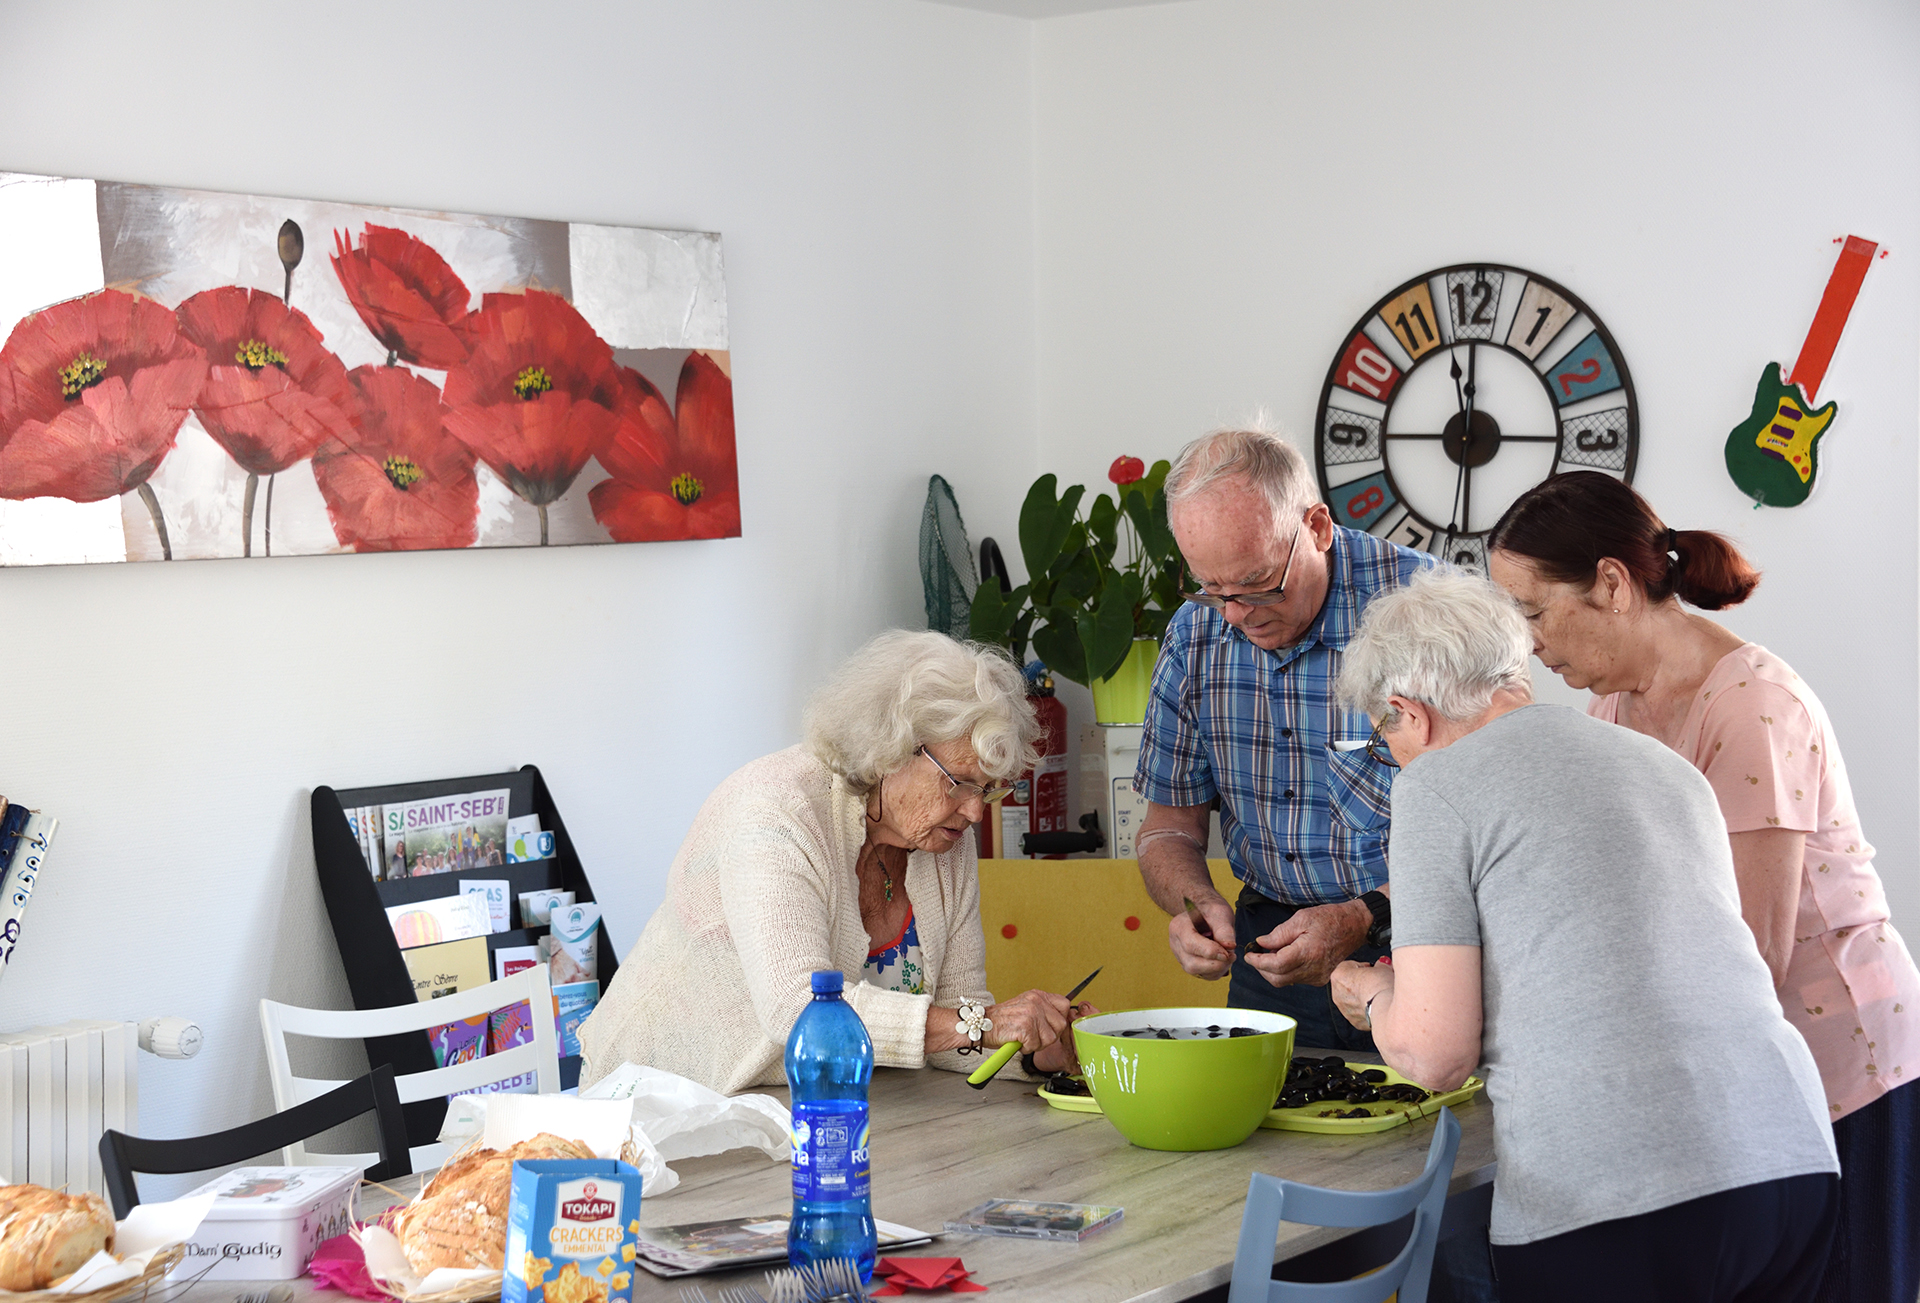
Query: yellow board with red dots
[{"x": 1051, "y": 922}]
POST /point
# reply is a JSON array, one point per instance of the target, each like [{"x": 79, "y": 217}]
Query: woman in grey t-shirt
[{"x": 1565, "y": 912}]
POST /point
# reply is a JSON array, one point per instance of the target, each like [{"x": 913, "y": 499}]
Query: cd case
[{"x": 1036, "y": 1221}]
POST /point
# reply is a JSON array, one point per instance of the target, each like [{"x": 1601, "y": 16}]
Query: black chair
[{"x": 122, "y": 1155}]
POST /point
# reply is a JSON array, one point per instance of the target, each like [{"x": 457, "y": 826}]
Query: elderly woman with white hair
[
  {"x": 850, "y": 851},
  {"x": 1565, "y": 912}
]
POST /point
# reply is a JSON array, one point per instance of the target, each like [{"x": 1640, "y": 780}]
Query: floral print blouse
[{"x": 897, "y": 967}]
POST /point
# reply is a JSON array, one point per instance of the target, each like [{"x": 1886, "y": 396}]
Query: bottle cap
[{"x": 828, "y": 983}]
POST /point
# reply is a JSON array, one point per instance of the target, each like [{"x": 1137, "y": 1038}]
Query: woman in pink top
[{"x": 1601, "y": 581}]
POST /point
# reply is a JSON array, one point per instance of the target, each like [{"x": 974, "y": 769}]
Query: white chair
[{"x": 541, "y": 1056}]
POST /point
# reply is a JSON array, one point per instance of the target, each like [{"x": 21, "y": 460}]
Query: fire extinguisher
[{"x": 1038, "y": 802}]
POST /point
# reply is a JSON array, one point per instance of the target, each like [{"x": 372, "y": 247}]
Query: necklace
[{"x": 886, "y": 877}]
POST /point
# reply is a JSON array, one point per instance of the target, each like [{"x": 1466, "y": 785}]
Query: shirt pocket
[{"x": 1361, "y": 789}]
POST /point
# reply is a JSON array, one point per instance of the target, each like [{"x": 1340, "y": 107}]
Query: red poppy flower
[
  {"x": 406, "y": 293},
  {"x": 397, "y": 480},
  {"x": 676, "y": 479},
  {"x": 92, "y": 394},
  {"x": 273, "y": 389},
  {"x": 538, "y": 394},
  {"x": 1126, "y": 470}
]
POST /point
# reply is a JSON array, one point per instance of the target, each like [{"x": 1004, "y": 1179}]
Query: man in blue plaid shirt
[{"x": 1243, "y": 711}]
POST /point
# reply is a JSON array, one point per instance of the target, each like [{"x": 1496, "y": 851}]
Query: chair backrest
[
  {"x": 121, "y": 1155},
  {"x": 1271, "y": 1200},
  {"x": 540, "y": 1056}
]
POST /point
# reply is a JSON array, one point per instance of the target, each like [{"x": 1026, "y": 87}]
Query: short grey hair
[
  {"x": 1255, "y": 456},
  {"x": 1449, "y": 639},
  {"x": 904, "y": 690}
]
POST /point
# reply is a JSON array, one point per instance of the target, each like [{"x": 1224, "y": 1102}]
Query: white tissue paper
[
  {"x": 149, "y": 1228},
  {"x": 660, "y": 1114}
]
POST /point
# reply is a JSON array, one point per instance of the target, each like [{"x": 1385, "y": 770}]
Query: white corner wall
[
  {"x": 1225, "y": 186},
  {"x": 869, "y": 165}
]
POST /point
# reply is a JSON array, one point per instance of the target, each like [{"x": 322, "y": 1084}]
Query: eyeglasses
[
  {"x": 1377, "y": 742},
  {"x": 1271, "y": 597},
  {"x": 962, "y": 791}
]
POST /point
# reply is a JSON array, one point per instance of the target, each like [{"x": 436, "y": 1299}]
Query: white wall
[
  {"x": 868, "y": 163},
  {"x": 1225, "y": 186}
]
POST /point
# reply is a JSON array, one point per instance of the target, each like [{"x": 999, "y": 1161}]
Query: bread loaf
[
  {"x": 460, "y": 1219},
  {"x": 45, "y": 1236}
]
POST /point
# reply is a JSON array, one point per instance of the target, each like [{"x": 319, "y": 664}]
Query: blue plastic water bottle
[{"x": 829, "y": 1063}]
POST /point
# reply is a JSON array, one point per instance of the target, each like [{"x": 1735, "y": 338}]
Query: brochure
[
  {"x": 737, "y": 1242},
  {"x": 444, "y": 918},
  {"x": 446, "y": 833},
  {"x": 496, "y": 897},
  {"x": 448, "y": 967},
  {"x": 571, "y": 1004},
  {"x": 574, "y": 950}
]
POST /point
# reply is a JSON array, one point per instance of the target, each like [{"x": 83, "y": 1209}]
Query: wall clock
[{"x": 1457, "y": 392}]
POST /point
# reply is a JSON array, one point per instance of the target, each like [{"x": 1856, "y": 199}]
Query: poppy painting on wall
[{"x": 190, "y": 374}]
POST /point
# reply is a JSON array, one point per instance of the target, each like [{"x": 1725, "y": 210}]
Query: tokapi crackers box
[{"x": 572, "y": 1229}]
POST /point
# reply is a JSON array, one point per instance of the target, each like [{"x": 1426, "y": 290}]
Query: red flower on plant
[
  {"x": 406, "y": 293},
  {"x": 397, "y": 480},
  {"x": 273, "y": 389},
  {"x": 674, "y": 475},
  {"x": 92, "y": 395},
  {"x": 1126, "y": 470},
  {"x": 538, "y": 394}
]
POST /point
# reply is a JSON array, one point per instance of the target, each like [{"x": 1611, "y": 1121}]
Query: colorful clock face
[{"x": 1459, "y": 391}]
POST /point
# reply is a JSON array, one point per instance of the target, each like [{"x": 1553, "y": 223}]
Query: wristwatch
[{"x": 1380, "y": 935}]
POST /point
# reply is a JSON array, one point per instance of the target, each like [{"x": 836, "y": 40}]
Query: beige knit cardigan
[{"x": 762, "y": 894}]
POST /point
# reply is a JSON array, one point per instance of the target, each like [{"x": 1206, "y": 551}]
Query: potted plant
[{"x": 1101, "y": 586}]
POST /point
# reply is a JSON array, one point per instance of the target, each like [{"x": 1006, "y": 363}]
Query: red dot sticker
[
  {"x": 1133, "y": 924},
  {"x": 1009, "y": 931}
]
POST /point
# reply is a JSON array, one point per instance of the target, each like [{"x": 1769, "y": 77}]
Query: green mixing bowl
[{"x": 1185, "y": 1094}]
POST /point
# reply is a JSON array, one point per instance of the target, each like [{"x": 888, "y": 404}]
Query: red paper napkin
[
  {"x": 903, "y": 1274},
  {"x": 339, "y": 1262}
]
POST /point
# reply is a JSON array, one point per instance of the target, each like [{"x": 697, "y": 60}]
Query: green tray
[
  {"x": 1386, "y": 1115},
  {"x": 1071, "y": 1103}
]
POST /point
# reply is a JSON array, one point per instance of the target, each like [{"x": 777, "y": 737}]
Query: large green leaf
[
  {"x": 1078, "y": 580},
  {"x": 1103, "y": 526},
  {"x": 1058, "y": 644},
  {"x": 1045, "y": 522},
  {"x": 1106, "y": 633},
  {"x": 994, "y": 612}
]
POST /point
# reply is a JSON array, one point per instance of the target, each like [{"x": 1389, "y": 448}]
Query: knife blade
[{"x": 981, "y": 1075}]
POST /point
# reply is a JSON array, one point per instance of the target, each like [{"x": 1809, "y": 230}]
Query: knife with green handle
[{"x": 1004, "y": 1055}]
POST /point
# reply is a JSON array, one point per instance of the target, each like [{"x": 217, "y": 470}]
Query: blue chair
[{"x": 1271, "y": 1200}]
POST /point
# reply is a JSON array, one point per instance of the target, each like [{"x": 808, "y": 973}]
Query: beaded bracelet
[{"x": 974, "y": 1024}]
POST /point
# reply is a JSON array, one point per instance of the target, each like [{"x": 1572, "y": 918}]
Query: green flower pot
[
  {"x": 1122, "y": 699},
  {"x": 1185, "y": 1094}
]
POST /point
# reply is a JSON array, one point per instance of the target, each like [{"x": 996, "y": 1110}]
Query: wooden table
[{"x": 940, "y": 1148}]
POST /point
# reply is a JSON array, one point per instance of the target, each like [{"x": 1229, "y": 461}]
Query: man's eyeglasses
[
  {"x": 1271, "y": 597},
  {"x": 1377, "y": 743},
  {"x": 961, "y": 790}
]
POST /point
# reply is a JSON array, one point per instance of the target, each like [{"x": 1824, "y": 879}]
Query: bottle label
[{"x": 830, "y": 1162}]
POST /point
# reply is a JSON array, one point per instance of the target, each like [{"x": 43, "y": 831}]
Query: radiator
[{"x": 60, "y": 1087}]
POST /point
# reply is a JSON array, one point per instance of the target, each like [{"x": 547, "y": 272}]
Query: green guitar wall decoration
[{"x": 1774, "y": 454}]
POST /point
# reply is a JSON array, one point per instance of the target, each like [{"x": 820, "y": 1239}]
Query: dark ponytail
[{"x": 1566, "y": 524}]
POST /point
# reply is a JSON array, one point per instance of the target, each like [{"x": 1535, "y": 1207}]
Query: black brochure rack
[{"x": 357, "y": 906}]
